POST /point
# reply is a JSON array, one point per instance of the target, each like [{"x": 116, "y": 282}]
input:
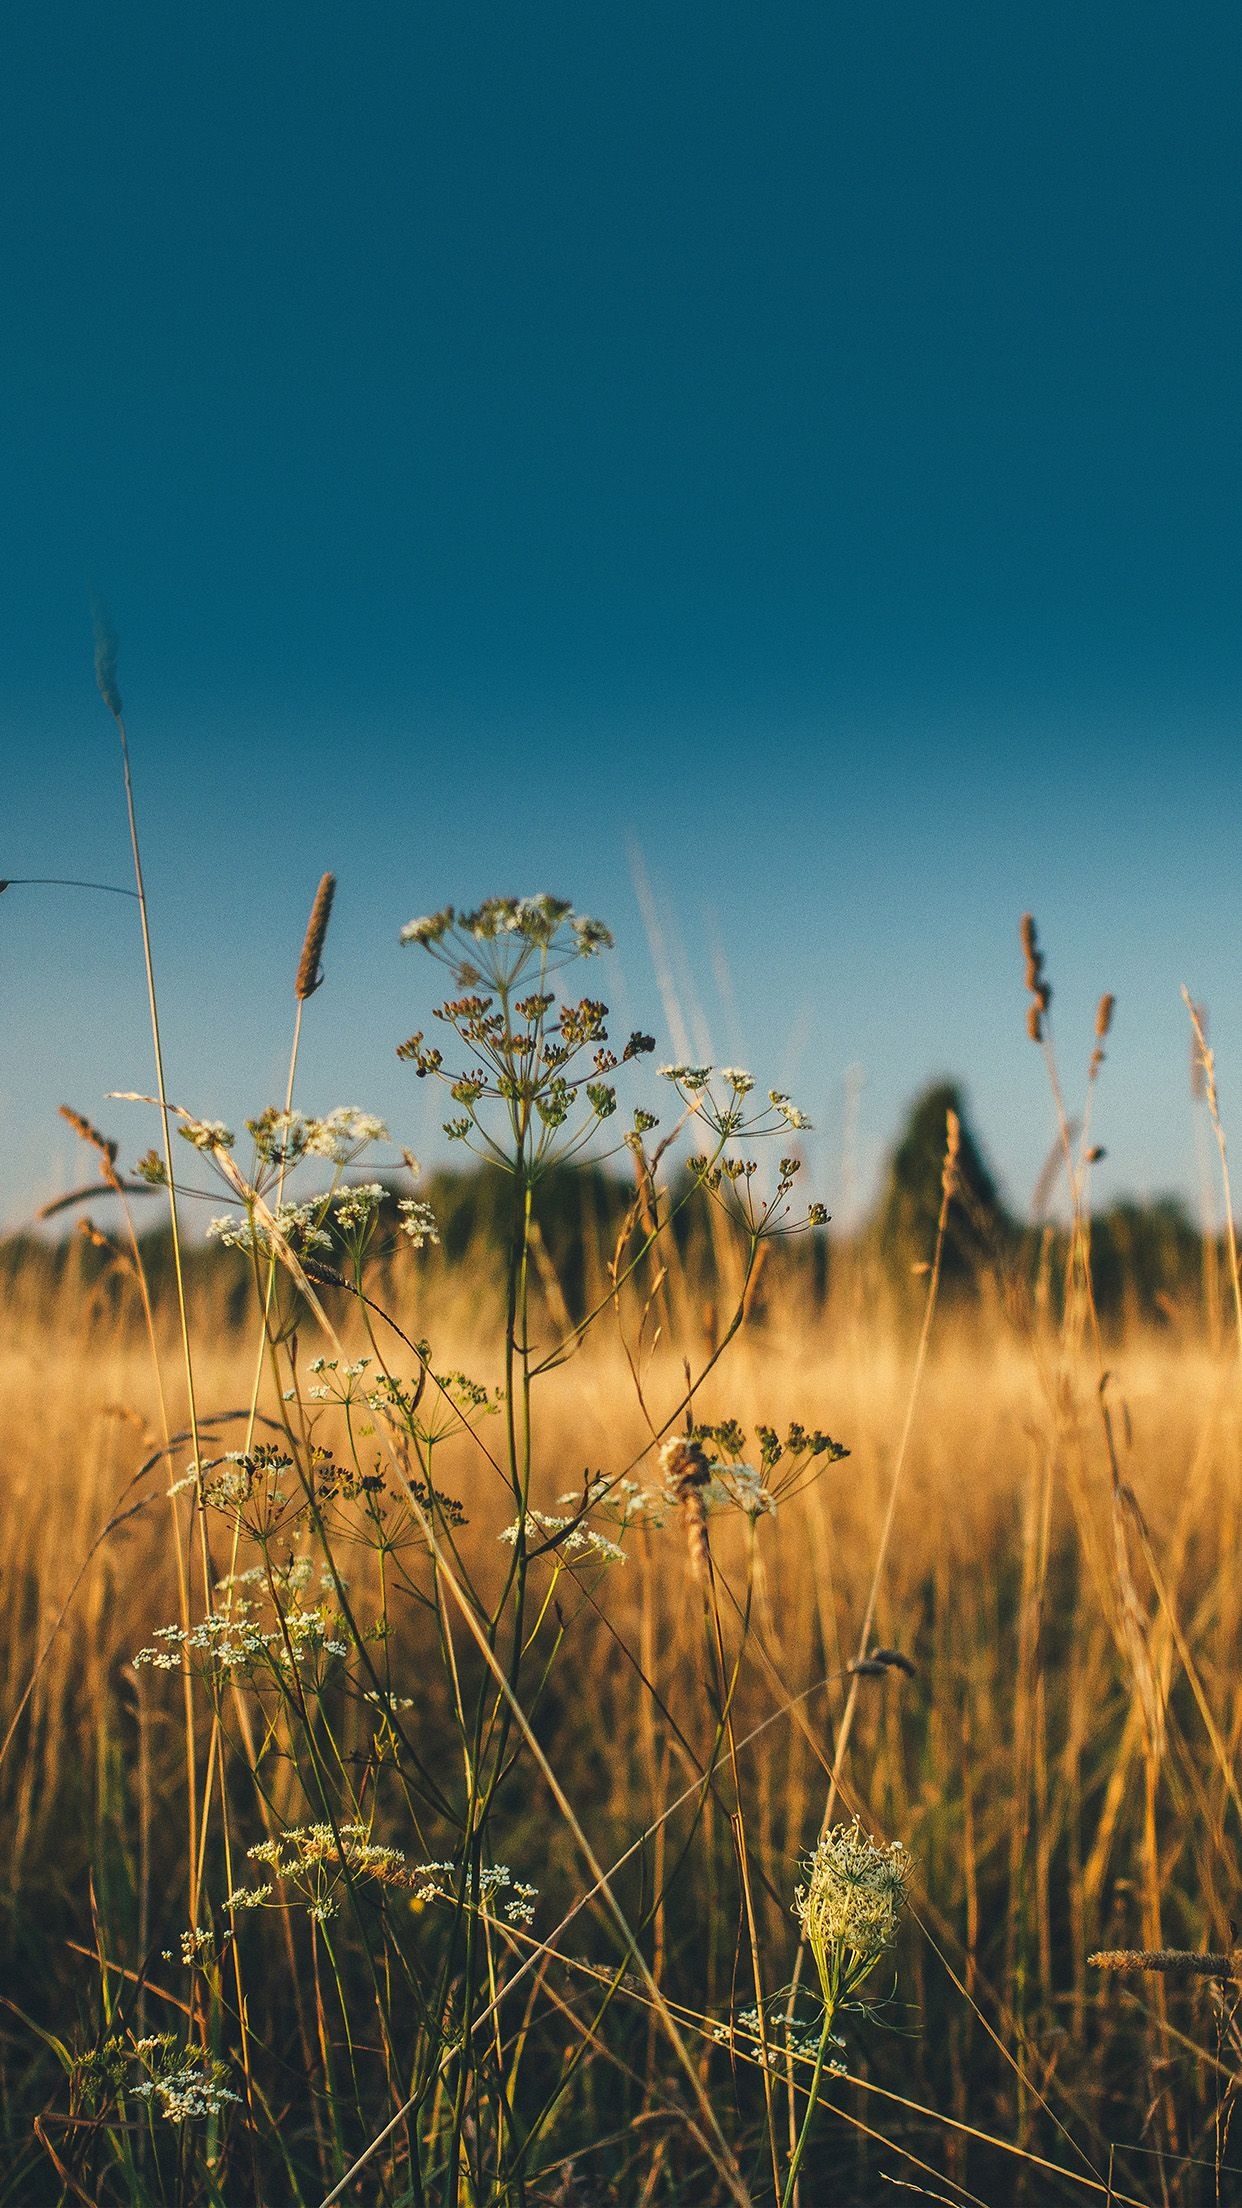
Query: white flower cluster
[
  {"x": 312, "y": 1858},
  {"x": 333, "y": 1380},
  {"x": 538, "y": 920},
  {"x": 194, "y": 2091},
  {"x": 248, "y": 1897},
  {"x": 283, "y": 1138},
  {"x": 296, "y": 1224},
  {"x": 568, "y": 1536},
  {"x": 854, "y": 1896},
  {"x": 623, "y": 1500},
  {"x": 418, "y": 1221},
  {"x": 691, "y": 1078},
  {"x": 789, "y": 1112},
  {"x": 230, "y": 1640},
  {"x": 357, "y": 1206},
  {"x": 727, "y": 1118},
  {"x": 196, "y": 1945},
  {"x": 342, "y": 1133},
  {"x": 434, "y": 1883},
  {"x": 804, "y": 2047}
]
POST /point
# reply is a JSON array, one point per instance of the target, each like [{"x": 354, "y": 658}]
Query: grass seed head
[
  {"x": 309, "y": 974},
  {"x": 687, "y": 1472}
]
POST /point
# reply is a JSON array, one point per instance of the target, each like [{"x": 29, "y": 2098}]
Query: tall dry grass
[{"x": 1015, "y": 1763}]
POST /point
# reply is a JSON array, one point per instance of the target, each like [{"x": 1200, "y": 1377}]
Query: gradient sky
[{"x": 798, "y": 445}]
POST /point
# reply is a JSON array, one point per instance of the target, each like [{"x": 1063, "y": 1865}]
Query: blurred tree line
[{"x": 1150, "y": 1263}]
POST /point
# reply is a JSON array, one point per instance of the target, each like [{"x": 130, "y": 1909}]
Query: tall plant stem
[
  {"x": 1208, "y": 1061},
  {"x": 947, "y": 1185},
  {"x": 791, "y": 2182},
  {"x": 113, "y": 703}
]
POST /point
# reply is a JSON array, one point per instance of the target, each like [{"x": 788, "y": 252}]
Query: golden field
[{"x": 1060, "y": 1763}]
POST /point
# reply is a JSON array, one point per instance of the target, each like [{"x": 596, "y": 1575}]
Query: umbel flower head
[{"x": 850, "y": 1906}]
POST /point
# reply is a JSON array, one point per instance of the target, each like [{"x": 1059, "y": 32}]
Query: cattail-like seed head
[
  {"x": 1104, "y": 1016},
  {"x": 1034, "y": 1023},
  {"x": 309, "y": 974},
  {"x": 1030, "y": 943},
  {"x": 82, "y": 1126}
]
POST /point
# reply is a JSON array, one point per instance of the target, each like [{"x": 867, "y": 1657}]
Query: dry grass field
[{"x": 1054, "y": 1562}]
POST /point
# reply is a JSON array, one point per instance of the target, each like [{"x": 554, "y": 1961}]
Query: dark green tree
[{"x": 979, "y": 1229}]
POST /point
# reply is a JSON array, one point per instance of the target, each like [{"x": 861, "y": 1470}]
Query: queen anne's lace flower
[{"x": 850, "y": 1906}]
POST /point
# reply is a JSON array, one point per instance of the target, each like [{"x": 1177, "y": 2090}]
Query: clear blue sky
[{"x": 801, "y": 443}]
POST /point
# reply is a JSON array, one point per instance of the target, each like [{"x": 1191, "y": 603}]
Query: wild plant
[{"x": 396, "y": 1583}]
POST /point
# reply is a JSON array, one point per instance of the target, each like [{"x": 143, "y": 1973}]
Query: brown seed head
[
  {"x": 687, "y": 1472},
  {"x": 1104, "y": 1016},
  {"x": 82, "y": 1126},
  {"x": 684, "y": 1464},
  {"x": 309, "y": 975},
  {"x": 1034, "y": 1023},
  {"x": 1030, "y": 944}
]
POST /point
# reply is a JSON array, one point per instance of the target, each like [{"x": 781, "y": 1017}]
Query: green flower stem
[{"x": 812, "y": 2101}]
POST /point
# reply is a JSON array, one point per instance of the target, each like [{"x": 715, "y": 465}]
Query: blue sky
[{"x": 798, "y": 445}]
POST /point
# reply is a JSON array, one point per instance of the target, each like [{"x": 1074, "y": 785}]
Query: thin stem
[{"x": 791, "y": 2182}]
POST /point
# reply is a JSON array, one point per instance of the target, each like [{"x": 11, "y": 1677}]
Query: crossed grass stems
[{"x": 270, "y": 1661}]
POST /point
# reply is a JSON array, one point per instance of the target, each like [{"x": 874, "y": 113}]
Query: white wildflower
[
  {"x": 343, "y": 1133},
  {"x": 851, "y": 1904},
  {"x": 789, "y": 1112},
  {"x": 692, "y": 1078},
  {"x": 355, "y": 1207},
  {"x": 418, "y": 1221},
  {"x": 195, "y": 2090}
]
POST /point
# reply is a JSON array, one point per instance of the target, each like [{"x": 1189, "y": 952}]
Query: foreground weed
[{"x": 354, "y": 1627}]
